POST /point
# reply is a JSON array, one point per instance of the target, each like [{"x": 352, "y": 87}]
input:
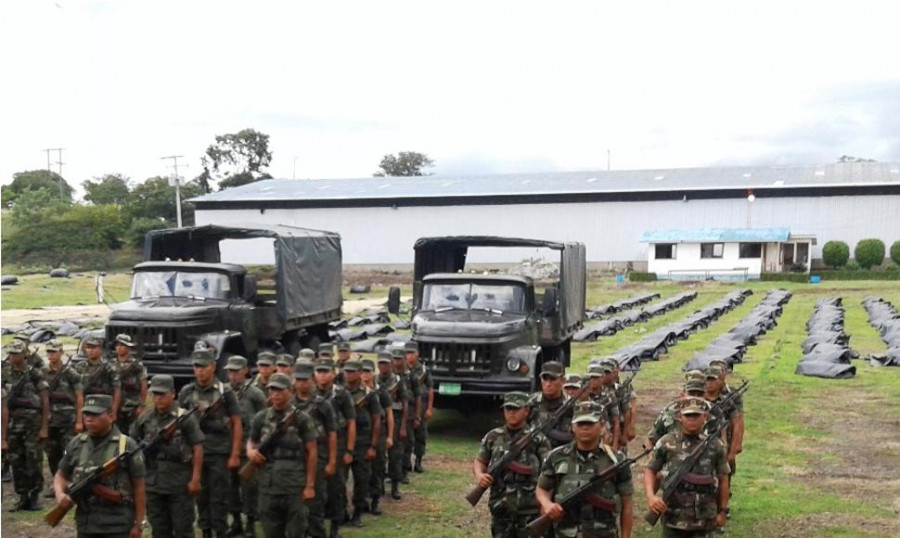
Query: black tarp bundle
[
  {"x": 826, "y": 351},
  {"x": 884, "y": 317},
  {"x": 611, "y": 326},
  {"x": 618, "y": 306}
]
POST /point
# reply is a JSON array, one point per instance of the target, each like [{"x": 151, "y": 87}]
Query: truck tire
[{"x": 393, "y": 302}]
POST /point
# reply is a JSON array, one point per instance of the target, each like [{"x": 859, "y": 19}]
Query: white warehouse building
[{"x": 380, "y": 218}]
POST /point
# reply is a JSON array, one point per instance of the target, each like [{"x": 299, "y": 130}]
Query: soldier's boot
[
  {"x": 237, "y": 527},
  {"x": 356, "y": 520},
  {"x": 250, "y": 527},
  {"x": 34, "y": 504},
  {"x": 405, "y": 478},
  {"x": 333, "y": 532},
  {"x": 375, "y": 510},
  {"x": 22, "y": 504},
  {"x": 395, "y": 490},
  {"x": 7, "y": 475},
  {"x": 418, "y": 467}
]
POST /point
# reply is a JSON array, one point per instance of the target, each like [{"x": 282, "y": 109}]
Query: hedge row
[
  {"x": 79, "y": 260},
  {"x": 638, "y": 276},
  {"x": 831, "y": 275}
]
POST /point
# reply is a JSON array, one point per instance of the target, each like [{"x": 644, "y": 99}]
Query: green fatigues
[
  {"x": 283, "y": 476},
  {"x": 542, "y": 408},
  {"x": 415, "y": 389},
  {"x": 736, "y": 408},
  {"x": 422, "y": 376},
  {"x": 625, "y": 396},
  {"x": 244, "y": 494},
  {"x": 666, "y": 422},
  {"x": 344, "y": 410},
  {"x": 85, "y": 454},
  {"x": 597, "y": 514},
  {"x": 323, "y": 416},
  {"x": 512, "y": 502},
  {"x": 368, "y": 408},
  {"x": 104, "y": 381},
  {"x": 170, "y": 509},
  {"x": 379, "y": 464},
  {"x": 25, "y": 407},
  {"x": 610, "y": 413},
  {"x": 212, "y": 503},
  {"x": 399, "y": 392},
  {"x": 62, "y": 392},
  {"x": 132, "y": 375},
  {"x": 694, "y": 505}
]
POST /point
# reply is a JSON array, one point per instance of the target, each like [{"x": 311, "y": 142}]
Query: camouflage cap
[
  {"x": 597, "y": 370},
  {"x": 324, "y": 363},
  {"x": 93, "y": 341},
  {"x": 515, "y": 400},
  {"x": 53, "y": 345},
  {"x": 553, "y": 369},
  {"x": 611, "y": 363},
  {"x": 326, "y": 346},
  {"x": 279, "y": 381},
  {"x": 411, "y": 346},
  {"x": 573, "y": 381},
  {"x": 236, "y": 362},
  {"x": 303, "y": 368},
  {"x": 384, "y": 356},
  {"x": 368, "y": 365},
  {"x": 306, "y": 353},
  {"x": 352, "y": 365},
  {"x": 22, "y": 337},
  {"x": 124, "y": 339},
  {"x": 16, "y": 346},
  {"x": 284, "y": 359},
  {"x": 265, "y": 358},
  {"x": 720, "y": 362},
  {"x": 694, "y": 385},
  {"x": 587, "y": 411},
  {"x": 162, "y": 384},
  {"x": 325, "y": 353},
  {"x": 202, "y": 357},
  {"x": 97, "y": 403},
  {"x": 693, "y": 406},
  {"x": 398, "y": 353},
  {"x": 714, "y": 372},
  {"x": 343, "y": 346},
  {"x": 695, "y": 374}
]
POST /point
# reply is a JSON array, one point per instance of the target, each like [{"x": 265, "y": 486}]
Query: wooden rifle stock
[{"x": 249, "y": 469}]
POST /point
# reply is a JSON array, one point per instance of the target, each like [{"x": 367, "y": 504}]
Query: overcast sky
[{"x": 479, "y": 86}]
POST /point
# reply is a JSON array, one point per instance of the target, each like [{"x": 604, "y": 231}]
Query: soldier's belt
[
  {"x": 97, "y": 390},
  {"x": 519, "y": 468},
  {"x": 23, "y": 403},
  {"x": 285, "y": 454},
  {"x": 697, "y": 483}
]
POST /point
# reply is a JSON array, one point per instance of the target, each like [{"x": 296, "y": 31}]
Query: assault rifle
[
  {"x": 729, "y": 400},
  {"x": 582, "y": 493},
  {"x": 677, "y": 476},
  {"x": 58, "y": 377},
  {"x": 90, "y": 485},
  {"x": 521, "y": 442},
  {"x": 249, "y": 469}
]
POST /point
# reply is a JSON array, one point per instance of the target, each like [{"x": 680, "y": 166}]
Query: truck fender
[
  {"x": 222, "y": 342},
  {"x": 527, "y": 355}
]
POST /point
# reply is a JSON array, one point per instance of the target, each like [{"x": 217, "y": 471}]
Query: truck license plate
[{"x": 450, "y": 389}]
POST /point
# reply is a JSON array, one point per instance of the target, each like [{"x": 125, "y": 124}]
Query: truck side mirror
[
  {"x": 393, "y": 302},
  {"x": 249, "y": 289},
  {"x": 548, "y": 306}
]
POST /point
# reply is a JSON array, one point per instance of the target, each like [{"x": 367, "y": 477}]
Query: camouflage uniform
[
  {"x": 512, "y": 502},
  {"x": 244, "y": 494},
  {"x": 666, "y": 422},
  {"x": 542, "y": 408},
  {"x": 368, "y": 409},
  {"x": 170, "y": 509},
  {"x": 132, "y": 376},
  {"x": 25, "y": 416},
  {"x": 421, "y": 375},
  {"x": 379, "y": 465},
  {"x": 398, "y": 390},
  {"x": 100, "y": 377},
  {"x": 62, "y": 391},
  {"x": 32, "y": 358}
]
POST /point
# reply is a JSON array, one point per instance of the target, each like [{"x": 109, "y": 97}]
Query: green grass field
[{"x": 821, "y": 457}]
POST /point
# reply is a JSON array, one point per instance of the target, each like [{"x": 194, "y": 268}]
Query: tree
[
  {"x": 109, "y": 189},
  {"x": 155, "y": 199},
  {"x": 236, "y": 159},
  {"x": 835, "y": 254},
  {"x": 869, "y": 253},
  {"x": 404, "y": 164},
  {"x": 895, "y": 252},
  {"x": 33, "y": 180},
  {"x": 140, "y": 226}
]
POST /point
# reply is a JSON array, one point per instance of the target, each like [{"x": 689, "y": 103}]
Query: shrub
[
  {"x": 637, "y": 276},
  {"x": 835, "y": 254},
  {"x": 895, "y": 252},
  {"x": 869, "y": 253},
  {"x": 831, "y": 275}
]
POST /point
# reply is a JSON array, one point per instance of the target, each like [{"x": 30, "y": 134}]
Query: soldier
[
  {"x": 512, "y": 500},
  {"x": 698, "y": 505},
  {"x": 133, "y": 377},
  {"x": 345, "y": 414},
  {"x": 626, "y": 397},
  {"x": 174, "y": 467},
  {"x": 308, "y": 354},
  {"x": 604, "y": 394},
  {"x": 735, "y": 431},
  {"x": 379, "y": 464},
  {"x": 398, "y": 360},
  {"x": 548, "y": 400},
  {"x": 609, "y": 505},
  {"x": 29, "y": 416},
  {"x": 572, "y": 386},
  {"x": 66, "y": 400},
  {"x": 243, "y": 494},
  {"x": 31, "y": 356},
  {"x": 326, "y": 448},
  {"x": 422, "y": 376},
  {"x": 101, "y": 442},
  {"x": 284, "y": 364},
  {"x": 368, "y": 431},
  {"x": 265, "y": 367},
  {"x": 220, "y": 420},
  {"x": 667, "y": 420},
  {"x": 399, "y": 393},
  {"x": 732, "y": 412},
  {"x": 343, "y": 355},
  {"x": 98, "y": 376},
  {"x": 287, "y": 476}
]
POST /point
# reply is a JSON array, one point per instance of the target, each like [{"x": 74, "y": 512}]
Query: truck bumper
[{"x": 479, "y": 387}]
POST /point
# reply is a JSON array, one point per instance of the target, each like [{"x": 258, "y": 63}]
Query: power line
[
  {"x": 59, "y": 162},
  {"x": 177, "y": 186}
]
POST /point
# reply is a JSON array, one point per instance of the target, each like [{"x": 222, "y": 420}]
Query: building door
[
  {"x": 787, "y": 255},
  {"x": 803, "y": 253}
]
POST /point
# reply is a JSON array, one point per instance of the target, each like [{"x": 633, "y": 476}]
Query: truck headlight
[{"x": 513, "y": 364}]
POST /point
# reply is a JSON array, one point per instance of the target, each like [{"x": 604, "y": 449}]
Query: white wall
[
  {"x": 610, "y": 230},
  {"x": 687, "y": 258}
]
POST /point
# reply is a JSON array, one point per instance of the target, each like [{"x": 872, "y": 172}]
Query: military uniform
[
  {"x": 32, "y": 358},
  {"x": 541, "y": 409},
  {"x": 368, "y": 410},
  {"x": 606, "y": 397},
  {"x": 244, "y": 494},
  {"x": 379, "y": 464},
  {"x": 421, "y": 375},
  {"x": 132, "y": 375},
  {"x": 63, "y": 384},
  {"x": 282, "y": 477},
  {"x": 212, "y": 504},
  {"x": 170, "y": 509},
  {"x": 512, "y": 502},
  {"x": 100, "y": 377},
  {"x": 397, "y": 389}
]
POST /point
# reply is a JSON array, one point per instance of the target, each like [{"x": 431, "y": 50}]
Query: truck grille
[
  {"x": 466, "y": 360},
  {"x": 151, "y": 342}
]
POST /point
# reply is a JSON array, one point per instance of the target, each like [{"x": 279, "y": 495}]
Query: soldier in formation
[
  {"x": 133, "y": 379},
  {"x": 549, "y": 400},
  {"x": 421, "y": 376},
  {"x": 396, "y": 387},
  {"x": 99, "y": 376},
  {"x": 66, "y": 400}
]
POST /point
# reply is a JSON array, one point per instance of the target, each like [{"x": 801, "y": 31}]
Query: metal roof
[
  {"x": 717, "y": 235},
  {"x": 735, "y": 178}
]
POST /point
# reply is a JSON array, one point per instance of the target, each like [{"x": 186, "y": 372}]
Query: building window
[
  {"x": 665, "y": 251},
  {"x": 711, "y": 250},
  {"x": 750, "y": 250}
]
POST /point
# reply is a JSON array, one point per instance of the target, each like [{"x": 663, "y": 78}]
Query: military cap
[
  {"x": 279, "y": 381},
  {"x": 695, "y": 374},
  {"x": 162, "y": 383},
  {"x": 325, "y": 353},
  {"x": 398, "y": 353},
  {"x": 573, "y": 380},
  {"x": 53, "y": 345},
  {"x": 515, "y": 400},
  {"x": 384, "y": 356},
  {"x": 303, "y": 369},
  {"x": 352, "y": 365},
  {"x": 368, "y": 365},
  {"x": 236, "y": 362},
  {"x": 285, "y": 359},
  {"x": 721, "y": 363},
  {"x": 266, "y": 358},
  {"x": 124, "y": 339},
  {"x": 553, "y": 369},
  {"x": 93, "y": 341},
  {"x": 694, "y": 385},
  {"x": 343, "y": 346},
  {"x": 16, "y": 346},
  {"x": 202, "y": 357},
  {"x": 597, "y": 370},
  {"x": 324, "y": 363},
  {"x": 306, "y": 353},
  {"x": 326, "y": 346},
  {"x": 693, "y": 406},
  {"x": 715, "y": 372},
  {"x": 97, "y": 403},
  {"x": 586, "y": 412},
  {"x": 411, "y": 346},
  {"x": 612, "y": 363},
  {"x": 22, "y": 337}
]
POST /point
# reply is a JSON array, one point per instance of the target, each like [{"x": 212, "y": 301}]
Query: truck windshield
[
  {"x": 180, "y": 284},
  {"x": 472, "y": 296}
]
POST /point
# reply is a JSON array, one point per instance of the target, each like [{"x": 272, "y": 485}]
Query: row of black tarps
[
  {"x": 612, "y": 325},
  {"x": 826, "y": 350},
  {"x": 884, "y": 317}
]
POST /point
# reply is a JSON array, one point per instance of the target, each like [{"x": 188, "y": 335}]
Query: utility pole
[
  {"x": 58, "y": 151},
  {"x": 177, "y": 186},
  {"x": 608, "y": 159}
]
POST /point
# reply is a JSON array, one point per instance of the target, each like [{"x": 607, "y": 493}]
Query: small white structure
[{"x": 725, "y": 253}]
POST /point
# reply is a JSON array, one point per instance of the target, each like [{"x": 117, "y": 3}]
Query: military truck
[
  {"x": 182, "y": 293},
  {"x": 487, "y": 334}
]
